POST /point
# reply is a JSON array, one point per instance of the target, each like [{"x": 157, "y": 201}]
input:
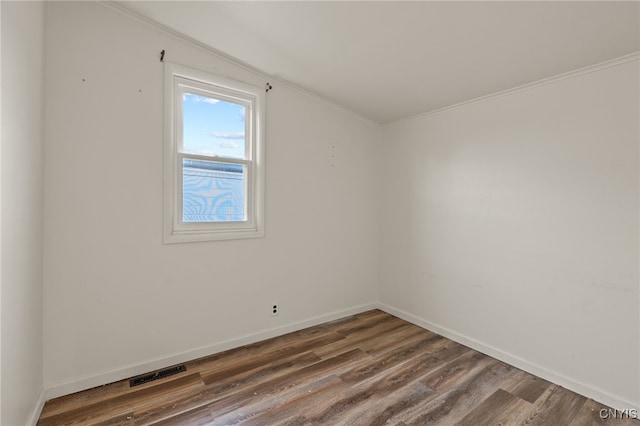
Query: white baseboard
[
  {"x": 90, "y": 381},
  {"x": 37, "y": 409},
  {"x": 606, "y": 398}
]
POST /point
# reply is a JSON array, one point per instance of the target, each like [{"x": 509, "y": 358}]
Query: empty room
[{"x": 320, "y": 213}]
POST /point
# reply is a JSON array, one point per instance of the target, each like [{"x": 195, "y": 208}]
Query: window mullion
[{"x": 215, "y": 159}]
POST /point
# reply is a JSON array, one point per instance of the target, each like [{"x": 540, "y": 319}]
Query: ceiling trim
[
  {"x": 542, "y": 82},
  {"x": 230, "y": 59}
]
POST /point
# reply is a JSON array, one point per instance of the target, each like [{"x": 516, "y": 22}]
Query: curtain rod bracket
[
  {"x": 269, "y": 87},
  {"x": 162, "y": 56}
]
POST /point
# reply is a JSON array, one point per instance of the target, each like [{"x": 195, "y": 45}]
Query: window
[{"x": 214, "y": 157}]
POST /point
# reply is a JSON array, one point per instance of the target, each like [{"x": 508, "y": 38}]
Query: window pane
[
  {"x": 212, "y": 191},
  {"x": 212, "y": 126}
]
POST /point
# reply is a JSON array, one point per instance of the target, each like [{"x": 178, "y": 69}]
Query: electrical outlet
[{"x": 275, "y": 309}]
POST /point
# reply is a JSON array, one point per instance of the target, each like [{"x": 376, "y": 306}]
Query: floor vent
[{"x": 160, "y": 374}]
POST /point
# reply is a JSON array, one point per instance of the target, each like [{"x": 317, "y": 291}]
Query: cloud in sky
[
  {"x": 227, "y": 145},
  {"x": 198, "y": 98},
  {"x": 228, "y": 135}
]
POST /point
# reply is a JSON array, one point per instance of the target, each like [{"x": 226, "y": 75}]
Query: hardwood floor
[{"x": 367, "y": 369}]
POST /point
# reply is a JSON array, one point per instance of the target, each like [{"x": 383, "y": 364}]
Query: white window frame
[{"x": 178, "y": 79}]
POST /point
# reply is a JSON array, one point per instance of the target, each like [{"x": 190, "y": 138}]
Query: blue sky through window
[{"x": 213, "y": 126}]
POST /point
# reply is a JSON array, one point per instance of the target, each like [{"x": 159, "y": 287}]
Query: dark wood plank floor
[{"x": 367, "y": 369}]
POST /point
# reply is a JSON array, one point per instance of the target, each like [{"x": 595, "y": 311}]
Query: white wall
[
  {"x": 511, "y": 224},
  {"x": 117, "y": 301},
  {"x": 22, "y": 209}
]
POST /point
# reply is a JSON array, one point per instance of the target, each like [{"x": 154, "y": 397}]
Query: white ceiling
[{"x": 391, "y": 60}]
